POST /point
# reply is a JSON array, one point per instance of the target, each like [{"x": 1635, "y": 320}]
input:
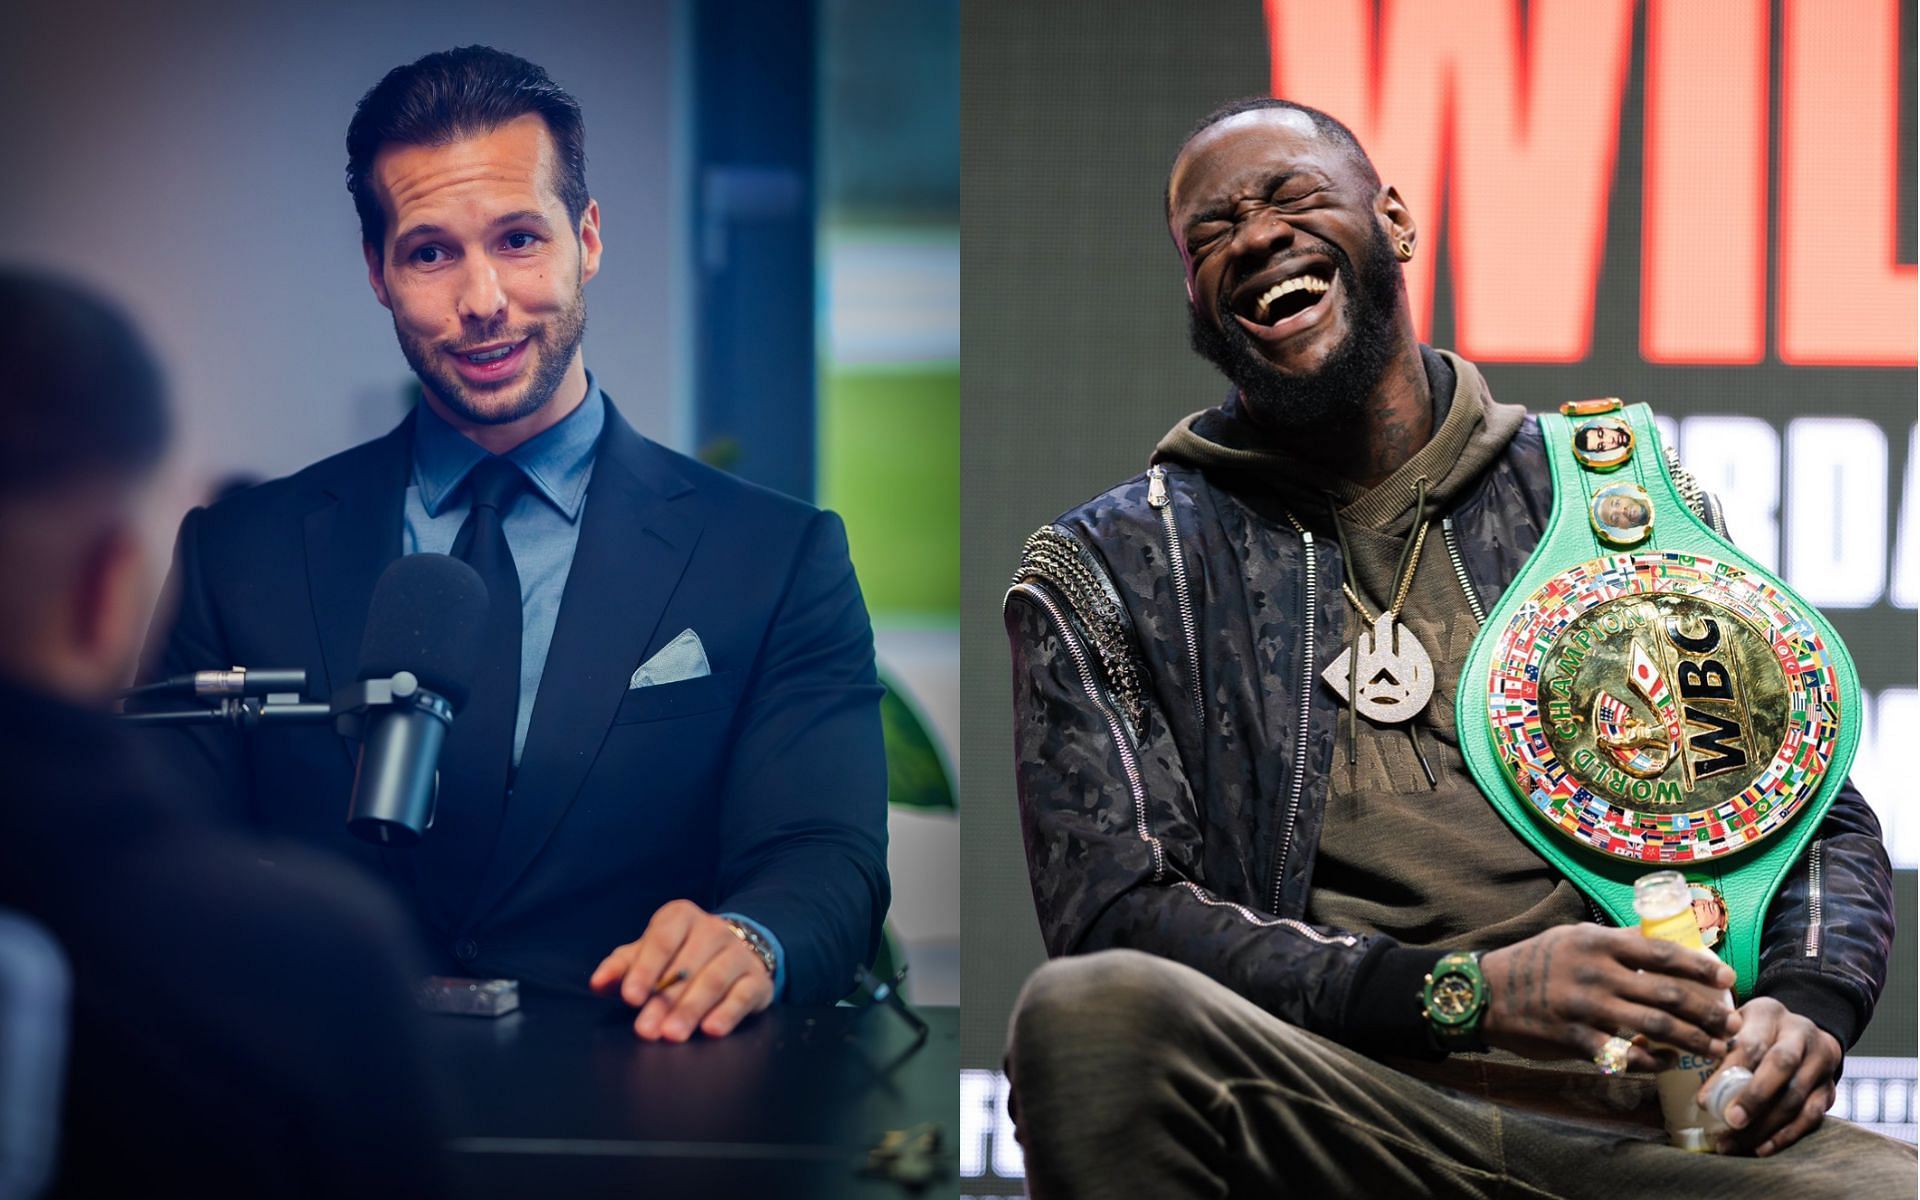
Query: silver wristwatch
[{"x": 755, "y": 942}]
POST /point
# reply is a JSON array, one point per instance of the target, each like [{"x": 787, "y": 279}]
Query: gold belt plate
[{"x": 1663, "y": 707}]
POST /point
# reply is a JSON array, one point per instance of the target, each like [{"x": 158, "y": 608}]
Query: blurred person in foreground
[
  {"x": 239, "y": 1027},
  {"x": 1276, "y": 855},
  {"x": 668, "y": 781}
]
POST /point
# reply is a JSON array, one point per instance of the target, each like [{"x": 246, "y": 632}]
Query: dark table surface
[{"x": 562, "y": 1098}]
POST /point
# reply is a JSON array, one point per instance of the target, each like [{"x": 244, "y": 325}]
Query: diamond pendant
[{"x": 1394, "y": 687}]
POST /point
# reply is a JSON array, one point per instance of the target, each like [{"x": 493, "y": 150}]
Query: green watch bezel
[{"x": 1455, "y": 1031}]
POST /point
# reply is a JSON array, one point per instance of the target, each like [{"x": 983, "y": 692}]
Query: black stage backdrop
[{"x": 1706, "y": 207}]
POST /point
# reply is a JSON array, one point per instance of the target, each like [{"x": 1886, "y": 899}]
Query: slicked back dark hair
[
  {"x": 455, "y": 94},
  {"x": 81, "y": 398},
  {"x": 1329, "y": 126}
]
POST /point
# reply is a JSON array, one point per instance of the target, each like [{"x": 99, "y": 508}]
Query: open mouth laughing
[{"x": 1285, "y": 298}]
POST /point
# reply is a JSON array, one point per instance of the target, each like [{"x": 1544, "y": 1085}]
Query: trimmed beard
[
  {"x": 553, "y": 348},
  {"x": 1335, "y": 398}
]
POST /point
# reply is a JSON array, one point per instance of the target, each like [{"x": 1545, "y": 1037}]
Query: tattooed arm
[{"x": 1563, "y": 993}]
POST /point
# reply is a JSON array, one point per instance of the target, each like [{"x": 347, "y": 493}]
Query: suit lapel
[
  {"x": 633, "y": 547},
  {"x": 351, "y": 537}
]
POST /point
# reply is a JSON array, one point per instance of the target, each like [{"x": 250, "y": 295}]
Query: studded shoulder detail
[{"x": 1056, "y": 558}]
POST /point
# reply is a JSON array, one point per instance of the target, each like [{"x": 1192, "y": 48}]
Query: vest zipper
[
  {"x": 1300, "y": 927},
  {"x": 1157, "y": 497},
  {"x": 1129, "y": 762},
  {"x": 1299, "y": 781},
  {"x": 1813, "y": 901},
  {"x": 1460, "y": 571}
]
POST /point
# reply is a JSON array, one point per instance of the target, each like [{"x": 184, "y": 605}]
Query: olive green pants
[{"x": 1134, "y": 1076}]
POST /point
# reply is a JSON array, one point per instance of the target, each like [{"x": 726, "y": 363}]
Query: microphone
[
  {"x": 424, "y": 626},
  {"x": 236, "y": 681}
]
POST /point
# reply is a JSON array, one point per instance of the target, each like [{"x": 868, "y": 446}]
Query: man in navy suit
[{"x": 669, "y": 778}]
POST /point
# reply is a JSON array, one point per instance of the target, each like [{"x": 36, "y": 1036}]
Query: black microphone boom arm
[
  {"x": 395, "y": 781},
  {"x": 242, "y": 712}
]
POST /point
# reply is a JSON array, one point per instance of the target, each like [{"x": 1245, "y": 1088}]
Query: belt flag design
[
  {"x": 1663, "y": 707},
  {"x": 1656, "y": 700}
]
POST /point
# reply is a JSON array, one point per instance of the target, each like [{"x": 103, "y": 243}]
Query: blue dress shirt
[{"x": 542, "y": 530}]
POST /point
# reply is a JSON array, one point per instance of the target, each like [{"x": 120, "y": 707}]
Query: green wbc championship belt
[{"x": 1646, "y": 697}]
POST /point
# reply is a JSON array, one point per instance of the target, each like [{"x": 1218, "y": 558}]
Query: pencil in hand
[{"x": 666, "y": 981}]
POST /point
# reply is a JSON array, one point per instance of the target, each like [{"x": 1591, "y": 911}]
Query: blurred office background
[
  {"x": 1707, "y": 207},
  {"x": 889, "y": 414},
  {"x": 779, "y": 191}
]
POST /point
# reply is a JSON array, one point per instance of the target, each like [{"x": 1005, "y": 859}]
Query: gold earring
[{"x": 1405, "y": 249}]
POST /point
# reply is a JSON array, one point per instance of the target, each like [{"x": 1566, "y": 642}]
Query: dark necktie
[{"x": 476, "y": 763}]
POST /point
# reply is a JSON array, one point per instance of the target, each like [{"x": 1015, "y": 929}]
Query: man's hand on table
[
  {"x": 1794, "y": 1063},
  {"x": 725, "y": 980},
  {"x": 1563, "y": 993}
]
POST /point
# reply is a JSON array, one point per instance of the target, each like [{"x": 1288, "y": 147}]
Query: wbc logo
[
  {"x": 1663, "y": 706},
  {"x": 1703, "y": 730},
  {"x": 1689, "y": 721}
]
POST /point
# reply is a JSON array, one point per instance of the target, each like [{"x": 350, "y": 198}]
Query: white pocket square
[{"x": 682, "y": 658}]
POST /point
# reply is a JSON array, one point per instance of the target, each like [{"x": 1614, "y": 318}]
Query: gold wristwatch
[{"x": 756, "y": 942}]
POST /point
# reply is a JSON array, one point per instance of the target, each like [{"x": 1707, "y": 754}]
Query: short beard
[
  {"x": 1334, "y": 399},
  {"x": 552, "y": 346}
]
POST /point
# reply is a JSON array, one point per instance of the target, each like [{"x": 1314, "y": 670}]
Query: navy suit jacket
[{"x": 759, "y": 789}]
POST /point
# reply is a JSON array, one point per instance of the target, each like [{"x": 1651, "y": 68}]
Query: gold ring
[{"x": 1612, "y": 1058}]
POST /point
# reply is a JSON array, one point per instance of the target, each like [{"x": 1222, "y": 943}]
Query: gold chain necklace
[
  {"x": 1406, "y": 579},
  {"x": 1396, "y": 682},
  {"x": 1383, "y": 676}
]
